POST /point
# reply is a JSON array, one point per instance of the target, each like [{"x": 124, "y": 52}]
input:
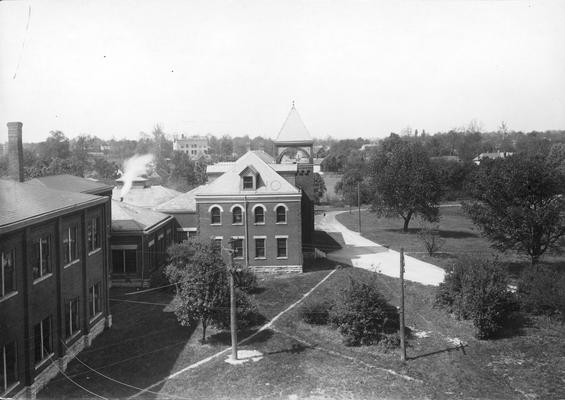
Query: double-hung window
[
  {"x": 237, "y": 215},
  {"x": 94, "y": 306},
  {"x": 93, "y": 233},
  {"x": 282, "y": 251},
  {"x": 7, "y": 272},
  {"x": 70, "y": 245},
  {"x": 259, "y": 215},
  {"x": 72, "y": 317},
  {"x": 41, "y": 257},
  {"x": 8, "y": 367},
  {"x": 43, "y": 340},
  {"x": 237, "y": 246},
  {"x": 259, "y": 247},
  {"x": 281, "y": 215}
]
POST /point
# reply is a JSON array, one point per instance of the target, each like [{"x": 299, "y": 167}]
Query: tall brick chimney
[{"x": 15, "y": 151}]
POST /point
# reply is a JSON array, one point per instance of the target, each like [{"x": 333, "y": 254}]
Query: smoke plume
[{"x": 134, "y": 167}]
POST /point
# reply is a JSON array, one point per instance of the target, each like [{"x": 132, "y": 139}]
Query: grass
[
  {"x": 462, "y": 239},
  {"x": 146, "y": 344}
]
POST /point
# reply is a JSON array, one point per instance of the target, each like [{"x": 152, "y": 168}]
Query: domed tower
[{"x": 294, "y": 145}]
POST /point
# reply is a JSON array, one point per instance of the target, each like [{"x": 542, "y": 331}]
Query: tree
[
  {"x": 404, "y": 181},
  {"x": 201, "y": 278},
  {"x": 519, "y": 204},
  {"x": 56, "y": 146},
  {"x": 319, "y": 187}
]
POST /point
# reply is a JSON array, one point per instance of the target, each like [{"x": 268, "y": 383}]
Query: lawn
[
  {"x": 146, "y": 344},
  {"x": 462, "y": 239}
]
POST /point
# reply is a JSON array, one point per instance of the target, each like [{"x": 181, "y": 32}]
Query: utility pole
[
  {"x": 233, "y": 315},
  {"x": 402, "y": 340},
  {"x": 359, "y": 204}
]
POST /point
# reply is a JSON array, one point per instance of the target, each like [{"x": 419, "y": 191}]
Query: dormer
[{"x": 249, "y": 178}]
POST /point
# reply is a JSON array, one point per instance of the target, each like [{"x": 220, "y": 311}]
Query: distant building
[
  {"x": 195, "y": 147},
  {"x": 499, "y": 154},
  {"x": 455, "y": 159},
  {"x": 54, "y": 264}
]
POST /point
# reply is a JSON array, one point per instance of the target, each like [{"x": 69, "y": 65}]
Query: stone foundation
[
  {"x": 58, "y": 365},
  {"x": 277, "y": 269}
]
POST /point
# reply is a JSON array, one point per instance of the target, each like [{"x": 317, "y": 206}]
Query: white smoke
[{"x": 134, "y": 167}]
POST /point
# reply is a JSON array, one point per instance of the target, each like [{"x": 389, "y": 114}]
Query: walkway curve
[{"x": 363, "y": 253}]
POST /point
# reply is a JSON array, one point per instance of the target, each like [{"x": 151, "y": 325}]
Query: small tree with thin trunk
[{"x": 202, "y": 289}]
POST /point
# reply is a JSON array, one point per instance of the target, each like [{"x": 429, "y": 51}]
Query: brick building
[{"x": 53, "y": 276}]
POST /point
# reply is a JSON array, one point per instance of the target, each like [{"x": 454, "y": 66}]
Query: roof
[
  {"x": 147, "y": 197},
  {"x": 126, "y": 217},
  {"x": 70, "y": 183},
  {"x": 229, "y": 183},
  {"x": 185, "y": 202},
  {"x": 21, "y": 202},
  {"x": 293, "y": 130}
]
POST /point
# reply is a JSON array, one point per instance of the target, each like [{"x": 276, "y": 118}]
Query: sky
[{"x": 114, "y": 68}]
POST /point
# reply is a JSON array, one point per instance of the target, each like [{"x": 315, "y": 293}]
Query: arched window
[
  {"x": 216, "y": 215},
  {"x": 259, "y": 215},
  {"x": 281, "y": 214},
  {"x": 237, "y": 215}
]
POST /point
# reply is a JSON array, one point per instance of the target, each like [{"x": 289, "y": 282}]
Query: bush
[
  {"x": 316, "y": 313},
  {"x": 477, "y": 290},
  {"x": 246, "y": 280},
  {"x": 362, "y": 315},
  {"x": 430, "y": 238},
  {"x": 541, "y": 291}
]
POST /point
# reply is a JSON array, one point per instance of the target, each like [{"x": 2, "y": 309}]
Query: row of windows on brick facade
[
  {"x": 43, "y": 337},
  {"x": 237, "y": 244},
  {"x": 258, "y": 215},
  {"x": 41, "y": 258}
]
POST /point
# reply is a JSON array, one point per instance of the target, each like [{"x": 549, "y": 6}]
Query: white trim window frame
[
  {"x": 264, "y": 247},
  {"x": 8, "y": 360},
  {"x": 277, "y": 215},
  {"x": 279, "y": 238},
  {"x": 72, "y": 317},
  {"x": 264, "y": 212},
  {"x": 213, "y": 216},
  {"x": 70, "y": 245},
  {"x": 237, "y": 219},
  {"x": 93, "y": 234},
  {"x": 237, "y": 256},
  {"x": 94, "y": 301},
  {"x": 45, "y": 337},
  {"x": 42, "y": 258},
  {"x": 7, "y": 272}
]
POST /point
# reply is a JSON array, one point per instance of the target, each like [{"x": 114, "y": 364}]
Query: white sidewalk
[{"x": 363, "y": 253}]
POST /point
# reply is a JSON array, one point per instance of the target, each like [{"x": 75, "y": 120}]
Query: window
[
  {"x": 7, "y": 272},
  {"x": 124, "y": 261},
  {"x": 260, "y": 248},
  {"x": 43, "y": 340},
  {"x": 41, "y": 257},
  {"x": 70, "y": 245},
  {"x": 216, "y": 215},
  {"x": 281, "y": 248},
  {"x": 71, "y": 317},
  {"x": 259, "y": 215},
  {"x": 93, "y": 234},
  {"x": 281, "y": 214},
  {"x": 248, "y": 182},
  {"x": 94, "y": 300},
  {"x": 217, "y": 242},
  {"x": 237, "y": 215},
  {"x": 8, "y": 366},
  {"x": 237, "y": 246}
]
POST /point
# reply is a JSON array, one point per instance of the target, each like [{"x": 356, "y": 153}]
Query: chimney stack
[{"x": 15, "y": 151}]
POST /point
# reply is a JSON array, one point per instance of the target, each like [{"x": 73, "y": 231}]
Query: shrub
[
  {"x": 541, "y": 291},
  {"x": 246, "y": 280},
  {"x": 430, "y": 238},
  {"x": 316, "y": 313},
  {"x": 477, "y": 290},
  {"x": 362, "y": 315}
]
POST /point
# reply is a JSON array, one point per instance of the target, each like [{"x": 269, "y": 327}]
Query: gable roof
[
  {"x": 70, "y": 183},
  {"x": 293, "y": 130},
  {"x": 126, "y": 217},
  {"x": 23, "y": 202},
  {"x": 185, "y": 202},
  {"x": 230, "y": 182}
]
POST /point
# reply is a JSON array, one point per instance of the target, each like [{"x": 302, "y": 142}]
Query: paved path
[{"x": 363, "y": 253}]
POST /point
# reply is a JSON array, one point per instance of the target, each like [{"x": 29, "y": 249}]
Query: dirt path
[{"x": 361, "y": 252}]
